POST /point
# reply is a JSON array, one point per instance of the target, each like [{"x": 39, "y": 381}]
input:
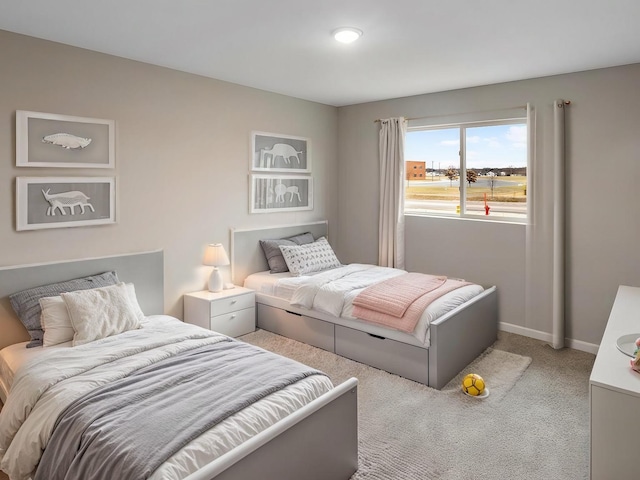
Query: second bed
[{"x": 452, "y": 331}]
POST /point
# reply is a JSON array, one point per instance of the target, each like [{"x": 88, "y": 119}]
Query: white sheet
[
  {"x": 333, "y": 291},
  {"x": 45, "y": 384},
  {"x": 13, "y": 357}
]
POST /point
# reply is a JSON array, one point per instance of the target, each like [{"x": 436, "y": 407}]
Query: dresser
[
  {"x": 614, "y": 395},
  {"x": 230, "y": 312}
]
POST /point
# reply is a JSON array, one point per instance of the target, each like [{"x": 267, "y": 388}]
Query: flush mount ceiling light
[{"x": 346, "y": 34}]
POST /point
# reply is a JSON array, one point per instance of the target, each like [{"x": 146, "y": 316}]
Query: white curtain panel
[
  {"x": 392, "y": 171},
  {"x": 558, "y": 224}
]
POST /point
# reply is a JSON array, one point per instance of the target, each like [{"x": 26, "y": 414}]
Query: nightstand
[{"x": 230, "y": 312}]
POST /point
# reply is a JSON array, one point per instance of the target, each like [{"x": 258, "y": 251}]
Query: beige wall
[
  {"x": 602, "y": 194},
  {"x": 182, "y": 156},
  {"x": 182, "y": 172}
]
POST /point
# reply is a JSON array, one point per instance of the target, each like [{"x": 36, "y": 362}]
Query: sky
[{"x": 494, "y": 146}]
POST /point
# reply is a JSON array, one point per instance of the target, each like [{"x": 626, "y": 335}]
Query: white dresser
[{"x": 614, "y": 395}]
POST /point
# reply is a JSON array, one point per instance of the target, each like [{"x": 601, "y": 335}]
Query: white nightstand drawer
[
  {"x": 235, "y": 323},
  {"x": 231, "y": 312},
  {"x": 233, "y": 303}
]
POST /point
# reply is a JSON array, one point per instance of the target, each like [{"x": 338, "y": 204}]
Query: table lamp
[{"x": 215, "y": 256}]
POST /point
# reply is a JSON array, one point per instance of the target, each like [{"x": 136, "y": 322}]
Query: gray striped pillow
[{"x": 26, "y": 303}]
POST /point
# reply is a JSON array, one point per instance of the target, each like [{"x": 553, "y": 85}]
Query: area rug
[{"x": 411, "y": 431}]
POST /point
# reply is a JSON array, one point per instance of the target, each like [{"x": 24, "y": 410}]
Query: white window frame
[{"x": 462, "y": 122}]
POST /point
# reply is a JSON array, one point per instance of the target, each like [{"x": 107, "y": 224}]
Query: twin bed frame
[
  {"x": 318, "y": 442},
  {"x": 457, "y": 337}
]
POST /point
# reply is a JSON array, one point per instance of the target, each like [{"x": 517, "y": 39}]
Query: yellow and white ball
[{"x": 473, "y": 384}]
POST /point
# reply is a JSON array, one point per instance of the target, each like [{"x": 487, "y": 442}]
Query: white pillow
[
  {"x": 100, "y": 312},
  {"x": 57, "y": 324},
  {"x": 55, "y": 321},
  {"x": 310, "y": 257},
  {"x": 131, "y": 292}
]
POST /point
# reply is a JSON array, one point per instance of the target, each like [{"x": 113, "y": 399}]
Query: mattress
[
  {"x": 18, "y": 360},
  {"x": 283, "y": 286}
]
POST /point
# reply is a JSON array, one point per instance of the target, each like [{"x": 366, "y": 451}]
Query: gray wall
[
  {"x": 182, "y": 156},
  {"x": 602, "y": 229}
]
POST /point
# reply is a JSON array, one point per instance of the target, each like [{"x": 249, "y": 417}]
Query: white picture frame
[
  {"x": 60, "y": 202},
  {"x": 64, "y": 141},
  {"x": 279, "y": 153},
  {"x": 280, "y": 193}
]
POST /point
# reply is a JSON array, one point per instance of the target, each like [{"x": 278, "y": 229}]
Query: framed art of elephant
[
  {"x": 272, "y": 152},
  {"x": 280, "y": 193},
  {"x": 56, "y": 202}
]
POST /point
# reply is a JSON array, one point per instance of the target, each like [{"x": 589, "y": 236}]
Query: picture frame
[
  {"x": 59, "y": 202},
  {"x": 272, "y": 152},
  {"x": 64, "y": 141},
  {"x": 280, "y": 193}
]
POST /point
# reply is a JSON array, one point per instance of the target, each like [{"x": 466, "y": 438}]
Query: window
[{"x": 475, "y": 169}]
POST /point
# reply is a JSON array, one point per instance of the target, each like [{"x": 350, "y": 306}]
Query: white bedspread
[
  {"x": 45, "y": 385},
  {"x": 333, "y": 291}
]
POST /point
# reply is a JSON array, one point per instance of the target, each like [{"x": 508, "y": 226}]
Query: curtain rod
[{"x": 378, "y": 120}]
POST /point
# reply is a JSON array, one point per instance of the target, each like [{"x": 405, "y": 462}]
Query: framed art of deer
[
  {"x": 272, "y": 152},
  {"x": 280, "y": 193},
  {"x": 56, "y": 202},
  {"x": 52, "y": 140}
]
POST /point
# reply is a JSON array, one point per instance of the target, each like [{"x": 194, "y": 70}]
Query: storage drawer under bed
[
  {"x": 297, "y": 327},
  {"x": 408, "y": 361}
]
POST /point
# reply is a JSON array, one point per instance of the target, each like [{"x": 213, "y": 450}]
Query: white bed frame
[
  {"x": 317, "y": 442},
  {"x": 457, "y": 337}
]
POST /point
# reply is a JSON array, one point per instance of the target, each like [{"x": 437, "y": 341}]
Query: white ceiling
[{"x": 409, "y": 47}]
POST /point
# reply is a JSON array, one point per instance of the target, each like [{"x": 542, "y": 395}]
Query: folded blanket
[
  {"x": 395, "y": 295},
  {"x": 407, "y": 323}
]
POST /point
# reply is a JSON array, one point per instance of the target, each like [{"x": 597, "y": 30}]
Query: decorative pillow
[
  {"x": 56, "y": 322},
  {"x": 27, "y": 306},
  {"x": 100, "y": 312},
  {"x": 273, "y": 254},
  {"x": 309, "y": 258}
]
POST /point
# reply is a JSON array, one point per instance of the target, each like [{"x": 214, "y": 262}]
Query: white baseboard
[{"x": 547, "y": 337}]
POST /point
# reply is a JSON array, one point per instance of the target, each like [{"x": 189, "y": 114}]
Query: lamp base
[{"x": 215, "y": 280}]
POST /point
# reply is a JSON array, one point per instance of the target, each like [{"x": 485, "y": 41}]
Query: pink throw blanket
[{"x": 396, "y": 295}]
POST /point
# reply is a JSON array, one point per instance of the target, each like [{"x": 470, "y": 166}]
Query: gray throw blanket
[{"x": 128, "y": 428}]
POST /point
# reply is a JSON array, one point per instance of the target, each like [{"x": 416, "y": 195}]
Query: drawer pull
[
  {"x": 293, "y": 313},
  {"x": 233, "y": 316},
  {"x": 233, "y": 301},
  {"x": 377, "y": 336}
]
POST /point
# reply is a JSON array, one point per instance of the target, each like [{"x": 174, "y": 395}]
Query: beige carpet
[{"x": 533, "y": 425}]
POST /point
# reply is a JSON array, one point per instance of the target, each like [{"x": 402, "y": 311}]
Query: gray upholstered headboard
[
  {"x": 246, "y": 254},
  {"x": 145, "y": 270}
]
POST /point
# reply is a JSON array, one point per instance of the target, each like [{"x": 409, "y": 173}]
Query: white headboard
[
  {"x": 145, "y": 270},
  {"x": 246, "y": 254}
]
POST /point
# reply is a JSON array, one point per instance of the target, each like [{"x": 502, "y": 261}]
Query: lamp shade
[{"x": 215, "y": 256}]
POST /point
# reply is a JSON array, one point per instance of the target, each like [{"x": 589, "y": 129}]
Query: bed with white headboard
[
  {"x": 317, "y": 441},
  {"x": 456, "y": 338}
]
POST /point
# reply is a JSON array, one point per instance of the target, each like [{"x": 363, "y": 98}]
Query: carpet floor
[{"x": 533, "y": 425}]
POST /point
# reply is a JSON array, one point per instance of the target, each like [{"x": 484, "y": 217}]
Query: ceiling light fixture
[{"x": 346, "y": 34}]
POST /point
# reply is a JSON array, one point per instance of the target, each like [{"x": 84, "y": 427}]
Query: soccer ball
[{"x": 473, "y": 384}]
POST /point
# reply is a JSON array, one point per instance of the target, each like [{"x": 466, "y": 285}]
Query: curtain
[
  {"x": 392, "y": 171},
  {"x": 558, "y": 224}
]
